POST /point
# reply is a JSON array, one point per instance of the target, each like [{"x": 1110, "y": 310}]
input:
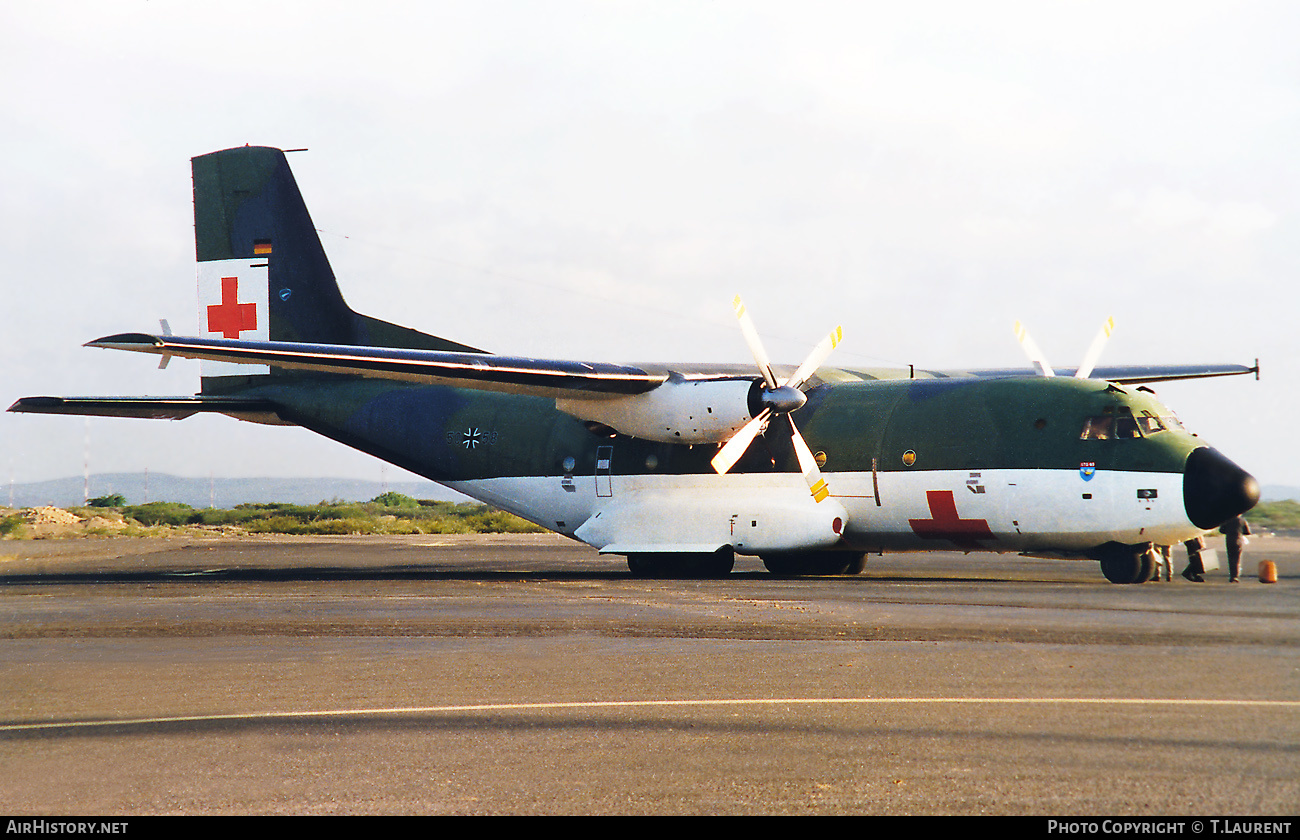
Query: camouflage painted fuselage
[{"x": 1008, "y": 452}]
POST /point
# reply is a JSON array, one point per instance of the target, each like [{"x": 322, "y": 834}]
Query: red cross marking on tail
[
  {"x": 945, "y": 524},
  {"x": 230, "y": 317}
]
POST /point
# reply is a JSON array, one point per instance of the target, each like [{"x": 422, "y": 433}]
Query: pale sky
[{"x": 597, "y": 180}]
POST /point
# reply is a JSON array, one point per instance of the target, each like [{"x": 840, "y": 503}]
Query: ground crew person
[
  {"x": 1164, "y": 563},
  {"x": 1234, "y": 536},
  {"x": 1194, "y": 572}
]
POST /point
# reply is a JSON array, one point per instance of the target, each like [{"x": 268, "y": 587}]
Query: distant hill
[{"x": 221, "y": 492}]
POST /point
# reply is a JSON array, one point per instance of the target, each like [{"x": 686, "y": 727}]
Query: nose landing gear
[{"x": 1128, "y": 563}]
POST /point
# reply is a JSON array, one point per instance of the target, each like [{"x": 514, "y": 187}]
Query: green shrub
[
  {"x": 159, "y": 513},
  {"x": 390, "y": 513},
  {"x": 500, "y": 522},
  {"x": 395, "y": 500},
  {"x": 11, "y": 526},
  {"x": 450, "y": 525},
  {"x": 1275, "y": 516}
]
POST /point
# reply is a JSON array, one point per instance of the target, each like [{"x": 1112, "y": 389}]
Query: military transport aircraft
[{"x": 679, "y": 467}]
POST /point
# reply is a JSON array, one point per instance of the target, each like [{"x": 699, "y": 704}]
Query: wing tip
[
  {"x": 34, "y": 404},
  {"x": 126, "y": 341}
]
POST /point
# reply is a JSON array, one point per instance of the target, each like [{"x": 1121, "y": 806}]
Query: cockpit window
[
  {"x": 1100, "y": 427},
  {"x": 1119, "y": 422},
  {"x": 1149, "y": 424},
  {"x": 1126, "y": 425}
]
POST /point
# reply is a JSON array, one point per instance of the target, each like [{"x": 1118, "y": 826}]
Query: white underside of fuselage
[{"x": 987, "y": 510}]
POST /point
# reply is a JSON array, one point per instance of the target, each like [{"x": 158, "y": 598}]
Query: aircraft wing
[
  {"x": 1137, "y": 374},
  {"x": 536, "y": 377},
  {"x": 1140, "y": 374},
  {"x": 153, "y": 408}
]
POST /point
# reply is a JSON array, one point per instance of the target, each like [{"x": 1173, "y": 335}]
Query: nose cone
[{"x": 1215, "y": 489}]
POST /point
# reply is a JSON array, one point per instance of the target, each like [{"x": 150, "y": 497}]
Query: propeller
[
  {"x": 1094, "y": 350},
  {"x": 1036, "y": 356},
  {"x": 1032, "y": 351},
  {"x": 778, "y": 398}
]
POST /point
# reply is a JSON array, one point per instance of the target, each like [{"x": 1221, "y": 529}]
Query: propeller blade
[
  {"x": 755, "y": 345},
  {"x": 808, "y": 464},
  {"x": 1094, "y": 351},
  {"x": 1031, "y": 350},
  {"x": 815, "y": 358},
  {"x": 731, "y": 451}
]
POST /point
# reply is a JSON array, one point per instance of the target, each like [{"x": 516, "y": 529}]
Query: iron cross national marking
[
  {"x": 471, "y": 438},
  {"x": 945, "y": 524},
  {"x": 230, "y": 317}
]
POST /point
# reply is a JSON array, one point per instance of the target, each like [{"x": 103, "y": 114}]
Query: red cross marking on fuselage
[
  {"x": 945, "y": 524},
  {"x": 230, "y": 317}
]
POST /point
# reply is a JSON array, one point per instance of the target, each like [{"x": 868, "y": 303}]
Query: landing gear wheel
[
  {"x": 683, "y": 565},
  {"x": 715, "y": 565},
  {"x": 1128, "y": 564},
  {"x": 815, "y": 563},
  {"x": 641, "y": 565},
  {"x": 780, "y": 564}
]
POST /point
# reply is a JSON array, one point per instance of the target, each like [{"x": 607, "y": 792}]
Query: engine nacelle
[{"x": 678, "y": 411}]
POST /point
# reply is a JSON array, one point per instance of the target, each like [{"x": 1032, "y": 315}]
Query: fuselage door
[{"x": 604, "y": 460}]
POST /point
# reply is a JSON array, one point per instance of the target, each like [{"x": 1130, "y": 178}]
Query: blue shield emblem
[{"x": 1086, "y": 470}]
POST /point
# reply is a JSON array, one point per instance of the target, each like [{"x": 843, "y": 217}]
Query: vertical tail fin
[{"x": 262, "y": 272}]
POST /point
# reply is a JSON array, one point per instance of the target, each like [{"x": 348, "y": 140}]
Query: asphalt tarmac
[{"x": 527, "y": 675}]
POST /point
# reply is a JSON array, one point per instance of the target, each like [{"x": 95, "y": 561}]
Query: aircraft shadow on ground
[{"x": 309, "y": 575}]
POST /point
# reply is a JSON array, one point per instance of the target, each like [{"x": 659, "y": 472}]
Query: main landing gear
[
  {"x": 815, "y": 563},
  {"x": 721, "y": 562},
  {"x": 682, "y": 565}
]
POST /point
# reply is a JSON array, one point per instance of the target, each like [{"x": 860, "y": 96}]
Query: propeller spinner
[{"x": 777, "y": 399}]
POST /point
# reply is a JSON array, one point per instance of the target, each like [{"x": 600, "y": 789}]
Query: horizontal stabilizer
[
  {"x": 153, "y": 408},
  {"x": 535, "y": 377}
]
